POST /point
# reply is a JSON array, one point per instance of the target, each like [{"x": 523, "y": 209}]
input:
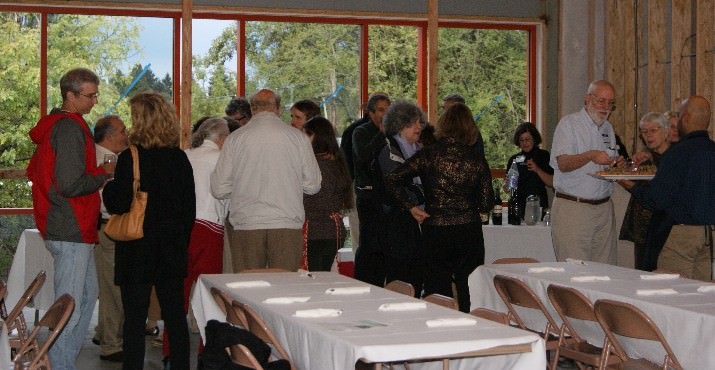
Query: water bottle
[
  {"x": 547, "y": 217},
  {"x": 532, "y": 214},
  {"x": 513, "y": 176}
]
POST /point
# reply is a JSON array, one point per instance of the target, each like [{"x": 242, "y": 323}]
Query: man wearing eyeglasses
[
  {"x": 239, "y": 111},
  {"x": 583, "y": 221},
  {"x": 65, "y": 183}
]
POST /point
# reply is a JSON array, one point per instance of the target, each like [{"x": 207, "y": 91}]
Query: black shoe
[
  {"x": 95, "y": 341},
  {"x": 114, "y": 357},
  {"x": 167, "y": 363},
  {"x": 152, "y": 331}
]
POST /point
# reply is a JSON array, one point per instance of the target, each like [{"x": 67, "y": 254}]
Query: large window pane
[
  {"x": 214, "y": 66},
  {"x": 393, "y": 61},
  {"x": 489, "y": 68},
  {"x": 113, "y": 48},
  {"x": 306, "y": 61},
  {"x": 11, "y": 227}
]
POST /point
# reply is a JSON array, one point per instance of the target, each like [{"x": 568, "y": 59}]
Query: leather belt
[{"x": 581, "y": 200}]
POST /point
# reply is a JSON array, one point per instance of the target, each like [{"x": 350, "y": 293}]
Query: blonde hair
[{"x": 154, "y": 122}]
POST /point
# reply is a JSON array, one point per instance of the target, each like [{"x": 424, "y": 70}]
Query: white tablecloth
[
  {"x": 362, "y": 332},
  {"x": 5, "y": 359},
  {"x": 687, "y": 319},
  {"x": 506, "y": 240},
  {"x": 30, "y": 258}
]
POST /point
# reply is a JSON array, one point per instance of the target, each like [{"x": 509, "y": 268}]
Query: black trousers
[
  {"x": 370, "y": 256},
  {"x": 453, "y": 252},
  {"x": 135, "y": 300}
]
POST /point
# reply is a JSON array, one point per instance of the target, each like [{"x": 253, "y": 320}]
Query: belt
[
  {"x": 581, "y": 200},
  {"x": 363, "y": 188}
]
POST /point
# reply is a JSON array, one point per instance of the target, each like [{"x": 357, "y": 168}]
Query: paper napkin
[
  {"x": 646, "y": 292},
  {"x": 403, "y": 306},
  {"x": 348, "y": 290},
  {"x": 659, "y": 276},
  {"x": 583, "y": 279},
  {"x": 461, "y": 321},
  {"x": 545, "y": 269},
  {"x": 706, "y": 288},
  {"x": 286, "y": 300},
  {"x": 319, "y": 312},
  {"x": 248, "y": 284}
]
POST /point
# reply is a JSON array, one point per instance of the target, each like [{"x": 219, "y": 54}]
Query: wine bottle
[
  {"x": 496, "y": 211},
  {"x": 514, "y": 208}
]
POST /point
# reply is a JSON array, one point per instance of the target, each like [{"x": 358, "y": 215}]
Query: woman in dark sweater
[
  {"x": 535, "y": 173},
  {"x": 457, "y": 185},
  {"x": 324, "y": 220},
  {"x": 159, "y": 258}
]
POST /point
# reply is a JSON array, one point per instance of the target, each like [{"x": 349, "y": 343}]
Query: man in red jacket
[{"x": 65, "y": 183}]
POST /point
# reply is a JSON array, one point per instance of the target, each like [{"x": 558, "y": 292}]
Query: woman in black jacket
[{"x": 159, "y": 258}]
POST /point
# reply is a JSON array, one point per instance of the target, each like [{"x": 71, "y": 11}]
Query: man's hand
[
  {"x": 418, "y": 214},
  {"x": 643, "y": 156},
  {"x": 109, "y": 167},
  {"x": 601, "y": 157}
]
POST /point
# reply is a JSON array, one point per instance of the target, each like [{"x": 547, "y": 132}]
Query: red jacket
[{"x": 47, "y": 196}]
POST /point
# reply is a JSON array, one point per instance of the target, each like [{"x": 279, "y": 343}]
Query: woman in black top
[
  {"x": 159, "y": 258},
  {"x": 457, "y": 186},
  {"x": 535, "y": 173}
]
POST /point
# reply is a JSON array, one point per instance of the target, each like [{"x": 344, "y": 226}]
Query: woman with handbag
[{"x": 159, "y": 257}]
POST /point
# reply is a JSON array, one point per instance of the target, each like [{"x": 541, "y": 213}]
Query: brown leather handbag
[{"x": 130, "y": 225}]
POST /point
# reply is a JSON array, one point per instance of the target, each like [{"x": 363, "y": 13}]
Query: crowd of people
[{"x": 279, "y": 191}]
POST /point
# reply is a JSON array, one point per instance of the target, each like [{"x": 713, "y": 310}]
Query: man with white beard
[{"x": 582, "y": 213}]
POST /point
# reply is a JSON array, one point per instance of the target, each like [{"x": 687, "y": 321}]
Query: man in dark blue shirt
[{"x": 683, "y": 189}]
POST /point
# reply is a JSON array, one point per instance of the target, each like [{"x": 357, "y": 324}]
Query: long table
[
  {"x": 363, "y": 332},
  {"x": 687, "y": 319},
  {"x": 30, "y": 258}
]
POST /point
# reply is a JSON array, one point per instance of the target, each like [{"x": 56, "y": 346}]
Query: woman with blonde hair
[
  {"x": 457, "y": 186},
  {"x": 158, "y": 259}
]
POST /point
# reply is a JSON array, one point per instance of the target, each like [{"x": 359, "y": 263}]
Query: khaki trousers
[
  {"x": 687, "y": 252},
  {"x": 583, "y": 231},
  {"x": 279, "y": 248},
  {"x": 110, "y": 319}
]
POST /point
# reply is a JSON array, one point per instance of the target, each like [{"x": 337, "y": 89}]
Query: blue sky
[{"x": 155, "y": 39}]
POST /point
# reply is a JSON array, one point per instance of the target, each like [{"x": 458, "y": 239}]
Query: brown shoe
[
  {"x": 152, "y": 331},
  {"x": 114, "y": 357}
]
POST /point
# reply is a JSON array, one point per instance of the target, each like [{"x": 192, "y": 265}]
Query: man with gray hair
[
  {"x": 110, "y": 139},
  {"x": 265, "y": 168},
  {"x": 583, "y": 219}
]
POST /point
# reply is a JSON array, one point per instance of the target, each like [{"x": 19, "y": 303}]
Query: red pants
[{"x": 205, "y": 257}]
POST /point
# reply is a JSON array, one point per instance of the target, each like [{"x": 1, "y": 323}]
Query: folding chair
[
  {"x": 241, "y": 355},
  {"x": 571, "y": 304},
  {"x": 31, "y": 355},
  {"x": 626, "y": 320},
  {"x": 234, "y": 315},
  {"x": 15, "y": 320},
  {"x": 401, "y": 287},
  {"x": 490, "y": 315},
  {"x": 442, "y": 300},
  {"x": 510, "y": 260},
  {"x": 515, "y": 293},
  {"x": 257, "y": 326}
]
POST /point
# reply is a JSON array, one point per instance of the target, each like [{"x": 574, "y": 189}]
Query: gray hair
[
  {"x": 654, "y": 117},
  {"x": 210, "y": 129},
  {"x": 73, "y": 80},
  {"x": 402, "y": 114},
  {"x": 454, "y": 98},
  {"x": 104, "y": 127}
]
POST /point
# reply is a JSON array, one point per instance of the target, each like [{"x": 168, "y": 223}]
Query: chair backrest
[
  {"x": 508, "y": 260},
  {"x": 569, "y": 303},
  {"x": 234, "y": 314},
  {"x": 54, "y": 320},
  {"x": 442, "y": 300},
  {"x": 401, "y": 287},
  {"x": 490, "y": 315},
  {"x": 626, "y": 320},
  {"x": 258, "y": 327},
  {"x": 241, "y": 355},
  {"x": 267, "y": 269},
  {"x": 515, "y": 293},
  {"x": 15, "y": 318}
]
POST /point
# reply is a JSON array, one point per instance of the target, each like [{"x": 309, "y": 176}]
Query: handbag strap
[{"x": 135, "y": 161}]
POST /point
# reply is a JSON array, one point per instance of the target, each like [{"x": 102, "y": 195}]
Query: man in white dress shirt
[
  {"x": 583, "y": 222},
  {"x": 264, "y": 168}
]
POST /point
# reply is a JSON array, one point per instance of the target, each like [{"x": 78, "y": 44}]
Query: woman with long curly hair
[{"x": 159, "y": 258}]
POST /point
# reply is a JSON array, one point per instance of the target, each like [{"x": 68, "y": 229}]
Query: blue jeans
[{"x": 75, "y": 274}]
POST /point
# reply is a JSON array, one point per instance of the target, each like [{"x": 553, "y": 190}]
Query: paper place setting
[
  {"x": 706, "y": 289},
  {"x": 537, "y": 270},
  {"x": 319, "y": 312},
  {"x": 248, "y": 284},
  {"x": 461, "y": 321},
  {"x": 286, "y": 300},
  {"x": 575, "y": 261},
  {"x": 403, "y": 306},
  {"x": 348, "y": 290},
  {"x": 647, "y": 292},
  {"x": 660, "y": 276},
  {"x": 584, "y": 279}
]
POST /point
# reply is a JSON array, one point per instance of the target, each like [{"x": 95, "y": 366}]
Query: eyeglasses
[
  {"x": 526, "y": 140},
  {"x": 90, "y": 96},
  {"x": 604, "y": 101},
  {"x": 650, "y": 131}
]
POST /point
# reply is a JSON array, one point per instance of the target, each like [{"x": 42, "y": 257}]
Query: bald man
[
  {"x": 683, "y": 189},
  {"x": 265, "y": 168}
]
